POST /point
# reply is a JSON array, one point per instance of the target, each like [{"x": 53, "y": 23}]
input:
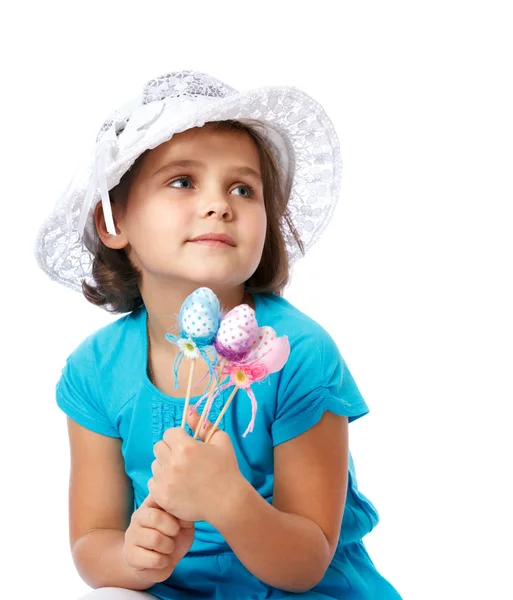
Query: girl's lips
[
  {"x": 217, "y": 240},
  {"x": 214, "y": 243}
]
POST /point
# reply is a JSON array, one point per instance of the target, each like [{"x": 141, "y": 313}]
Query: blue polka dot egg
[{"x": 200, "y": 316}]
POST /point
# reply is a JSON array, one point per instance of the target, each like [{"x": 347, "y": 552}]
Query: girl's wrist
[{"x": 230, "y": 505}]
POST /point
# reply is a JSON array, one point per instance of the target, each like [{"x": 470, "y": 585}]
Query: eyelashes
[{"x": 185, "y": 178}]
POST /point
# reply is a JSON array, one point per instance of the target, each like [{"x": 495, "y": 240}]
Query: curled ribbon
[{"x": 203, "y": 351}]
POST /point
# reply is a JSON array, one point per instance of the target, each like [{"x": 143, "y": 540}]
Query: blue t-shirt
[{"x": 104, "y": 387}]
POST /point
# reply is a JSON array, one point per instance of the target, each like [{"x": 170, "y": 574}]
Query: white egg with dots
[{"x": 200, "y": 314}]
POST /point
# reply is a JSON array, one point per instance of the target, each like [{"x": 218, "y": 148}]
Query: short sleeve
[
  {"x": 315, "y": 379},
  {"x": 77, "y": 392}
]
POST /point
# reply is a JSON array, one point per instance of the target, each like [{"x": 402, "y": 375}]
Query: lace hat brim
[{"x": 295, "y": 125}]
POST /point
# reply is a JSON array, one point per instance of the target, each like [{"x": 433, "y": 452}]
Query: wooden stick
[
  {"x": 188, "y": 396},
  {"x": 225, "y": 408},
  {"x": 210, "y": 393}
]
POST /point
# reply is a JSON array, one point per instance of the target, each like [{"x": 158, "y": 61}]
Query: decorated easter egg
[
  {"x": 237, "y": 332},
  {"x": 200, "y": 316},
  {"x": 269, "y": 349}
]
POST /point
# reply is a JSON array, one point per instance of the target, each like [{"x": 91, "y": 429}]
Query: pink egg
[
  {"x": 269, "y": 349},
  {"x": 237, "y": 332}
]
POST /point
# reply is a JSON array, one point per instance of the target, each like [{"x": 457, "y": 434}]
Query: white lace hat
[{"x": 296, "y": 126}]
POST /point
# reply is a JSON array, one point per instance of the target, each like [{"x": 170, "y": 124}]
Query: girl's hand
[
  {"x": 193, "y": 480},
  {"x": 155, "y": 542}
]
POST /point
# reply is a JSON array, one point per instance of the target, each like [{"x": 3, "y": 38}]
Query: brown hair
[{"x": 117, "y": 280}]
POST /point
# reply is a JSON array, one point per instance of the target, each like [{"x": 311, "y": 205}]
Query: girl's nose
[{"x": 215, "y": 205}]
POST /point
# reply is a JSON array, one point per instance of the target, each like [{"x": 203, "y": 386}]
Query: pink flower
[
  {"x": 243, "y": 375},
  {"x": 257, "y": 371}
]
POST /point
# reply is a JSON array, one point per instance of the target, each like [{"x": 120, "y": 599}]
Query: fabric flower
[
  {"x": 188, "y": 347},
  {"x": 244, "y": 375}
]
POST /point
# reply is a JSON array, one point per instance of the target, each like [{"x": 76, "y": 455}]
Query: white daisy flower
[{"x": 188, "y": 347}]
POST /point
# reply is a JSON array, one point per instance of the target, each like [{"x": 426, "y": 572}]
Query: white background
[{"x": 412, "y": 277}]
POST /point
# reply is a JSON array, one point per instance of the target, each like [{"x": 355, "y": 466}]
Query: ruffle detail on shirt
[{"x": 168, "y": 414}]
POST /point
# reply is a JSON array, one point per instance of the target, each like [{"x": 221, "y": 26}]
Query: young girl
[{"x": 193, "y": 184}]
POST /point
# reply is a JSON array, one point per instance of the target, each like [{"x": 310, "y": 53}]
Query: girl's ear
[{"x": 116, "y": 242}]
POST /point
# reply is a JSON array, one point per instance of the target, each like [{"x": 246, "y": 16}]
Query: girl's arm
[
  {"x": 100, "y": 504},
  {"x": 99, "y": 561},
  {"x": 290, "y": 544}
]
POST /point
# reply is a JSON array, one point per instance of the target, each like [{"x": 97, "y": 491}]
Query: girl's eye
[
  {"x": 246, "y": 191},
  {"x": 182, "y": 180},
  {"x": 185, "y": 183}
]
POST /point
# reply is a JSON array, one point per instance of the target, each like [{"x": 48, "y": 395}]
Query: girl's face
[{"x": 201, "y": 182}]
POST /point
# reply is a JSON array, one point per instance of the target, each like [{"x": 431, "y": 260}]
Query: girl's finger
[
  {"x": 161, "y": 451},
  {"x": 142, "y": 558},
  {"x": 193, "y": 421},
  {"x": 159, "y": 519},
  {"x": 156, "y": 468},
  {"x": 152, "y": 539}
]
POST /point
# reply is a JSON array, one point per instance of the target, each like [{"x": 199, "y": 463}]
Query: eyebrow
[{"x": 189, "y": 164}]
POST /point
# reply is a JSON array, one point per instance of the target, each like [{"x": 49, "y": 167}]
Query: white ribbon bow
[
  {"x": 143, "y": 122},
  {"x": 107, "y": 150}
]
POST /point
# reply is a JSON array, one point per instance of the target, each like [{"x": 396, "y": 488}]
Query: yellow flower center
[
  {"x": 189, "y": 347},
  {"x": 241, "y": 376}
]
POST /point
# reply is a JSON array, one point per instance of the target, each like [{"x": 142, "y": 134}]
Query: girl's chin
[{"x": 208, "y": 278}]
